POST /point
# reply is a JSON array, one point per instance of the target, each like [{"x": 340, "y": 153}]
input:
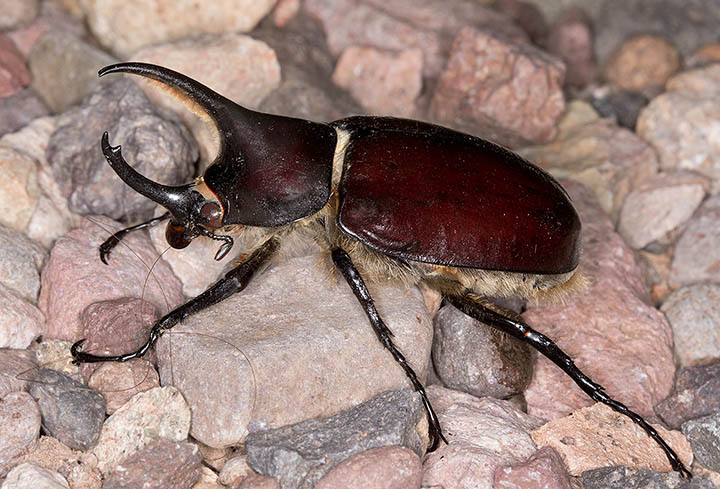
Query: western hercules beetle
[{"x": 470, "y": 219}]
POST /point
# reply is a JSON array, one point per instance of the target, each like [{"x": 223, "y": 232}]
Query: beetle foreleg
[
  {"x": 234, "y": 281},
  {"x": 474, "y": 307},
  {"x": 357, "y": 284},
  {"x": 113, "y": 240}
]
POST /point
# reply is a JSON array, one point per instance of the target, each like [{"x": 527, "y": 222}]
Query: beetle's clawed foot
[
  {"x": 226, "y": 246},
  {"x": 107, "y": 247},
  {"x": 436, "y": 435},
  {"x": 678, "y": 466}
]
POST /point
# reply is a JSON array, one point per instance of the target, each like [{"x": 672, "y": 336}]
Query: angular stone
[
  {"x": 71, "y": 412},
  {"x": 598, "y": 436},
  {"x": 119, "y": 382},
  {"x": 161, "y": 464},
  {"x": 293, "y": 326},
  {"x": 64, "y": 69},
  {"x": 478, "y": 359},
  {"x": 159, "y": 149},
  {"x": 704, "y": 437},
  {"x": 680, "y": 123},
  {"x": 234, "y": 469},
  {"x": 32, "y": 476},
  {"x": 168, "y": 20},
  {"x": 301, "y": 454},
  {"x": 19, "y": 428},
  {"x": 697, "y": 254},
  {"x": 239, "y": 67},
  {"x": 492, "y": 82},
  {"x": 694, "y": 314},
  {"x": 158, "y": 413},
  {"x": 389, "y": 467},
  {"x": 627, "y": 478},
  {"x": 609, "y": 159},
  {"x": 544, "y": 470},
  {"x": 14, "y": 75},
  {"x": 660, "y": 204},
  {"x": 20, "y": 262},
  {"x": 16, "y": 370},
  {"x": 54, "y": 355},
  {"x": 643, "y": 64},
  {"x": 609, "y": 328},
  {"x": 74, "y": 277},
  {"x": 382, "y": 82},
  {"x": 116, "y": 327},
  {"x": 696, "y": 394},
  {"x": 482, "y": 434},
  {"x": 20, "y": 321}
]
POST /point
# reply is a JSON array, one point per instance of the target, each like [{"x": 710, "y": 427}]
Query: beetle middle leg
[
  {"x": 474, "y": 306},
  {"x": 343, "y": 262},
  {"x": 234, "y": 281},
  {"x": 107, "y": 246}
]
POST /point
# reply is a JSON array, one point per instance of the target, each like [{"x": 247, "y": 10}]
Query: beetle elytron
[{"x": 401, "y": 199}]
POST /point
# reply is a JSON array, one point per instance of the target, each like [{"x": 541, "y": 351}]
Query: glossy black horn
[{"x": 179, "y": 200}]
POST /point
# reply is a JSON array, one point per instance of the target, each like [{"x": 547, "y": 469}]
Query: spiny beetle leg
[
  {"x": 113, "y": 240},
  {"x": 357, "y": 284},
  {"x": 475, "y": 308},
  {"x": 234, "y": 281}
]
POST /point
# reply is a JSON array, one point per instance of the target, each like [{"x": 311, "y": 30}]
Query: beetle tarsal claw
[{"x": 225, "y": 248}]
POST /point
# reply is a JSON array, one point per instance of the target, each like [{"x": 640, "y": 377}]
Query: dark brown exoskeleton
[{"x": 397, "y": 198}]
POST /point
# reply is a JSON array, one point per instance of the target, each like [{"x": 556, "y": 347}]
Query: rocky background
[{"x": 285, "y": 385}]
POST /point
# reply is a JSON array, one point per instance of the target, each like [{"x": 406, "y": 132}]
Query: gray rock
[
  {"x": 694, "y": 314},
  {"x": 478, "y": 359},
  {"x": 159, "y": 149},
  {"x": 64, "y": 69},
  {"x": 20, "y": 263},
  {"x": 19, "y": 109},
  {"x": 696, "y": 394},
  {"x": 627, "y": 478},
  {"x": 71, "y": 412},
  {"x": 19, "y": 428},
  {"x": 704, "y": 437},
  {"x": 299, "y": 455},
  {"x": 697, "y": 252},
  {"x": 621, "y": 105},
  {"x": 160, "y": 465},
  {"x": 294, "y": 345}
]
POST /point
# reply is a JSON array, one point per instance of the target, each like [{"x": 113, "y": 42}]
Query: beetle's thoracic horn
[{"x": 178, "y": 200}]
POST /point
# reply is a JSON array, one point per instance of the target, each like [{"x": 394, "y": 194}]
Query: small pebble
[
  {"x": 697, "y": 254},
  {"x": 571, "y": 39},
  {"x": 544, "y": 470},
  {"x": 643, "y": 64},
  {"x": 119, "y": 382},
  {"x": 32, "y": 476},
  {"x": 14, "y": 75},
  {"x": 704, "y": 437},
  {"x": 628, "y": 478},
  {"x": 16, "y": 370},
  {"x": 19, "y": 428},
  {"x": 696, "y": 394},
  {"x": 378, "y": 468}
]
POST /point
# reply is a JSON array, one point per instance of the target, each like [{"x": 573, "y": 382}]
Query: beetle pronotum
[{"x": 401, "y": 199}]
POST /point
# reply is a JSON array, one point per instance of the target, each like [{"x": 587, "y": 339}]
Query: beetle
[{"x": 392, "y": 198}]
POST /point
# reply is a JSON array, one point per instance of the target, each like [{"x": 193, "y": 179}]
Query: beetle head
[{"x": 192, "y": 214}]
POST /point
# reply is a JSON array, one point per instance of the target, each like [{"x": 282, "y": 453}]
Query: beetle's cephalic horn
[{"x": 178, "y": 200}]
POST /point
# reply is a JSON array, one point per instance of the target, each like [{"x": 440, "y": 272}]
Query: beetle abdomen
[{"x": 418, "y": 191}]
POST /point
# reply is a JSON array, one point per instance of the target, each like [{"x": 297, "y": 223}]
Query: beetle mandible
[{"x": 471, "y": 220}]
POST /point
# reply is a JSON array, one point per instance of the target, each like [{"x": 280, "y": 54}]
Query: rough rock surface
[
  {"x": 19, "y": 428},
  {"x": 696, "y": 394},
  {"x": 378, "y": 468},
  {"x": 544, "y": 470},
  {"x": 697, "y": 254},
  {"x": 643, "y": 64}
]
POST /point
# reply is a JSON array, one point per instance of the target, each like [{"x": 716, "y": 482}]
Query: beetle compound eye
[
  {"x": 177, "y": 236},
  {"x": 211, "y": 214}
]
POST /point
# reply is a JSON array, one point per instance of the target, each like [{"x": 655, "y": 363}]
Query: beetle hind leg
[
  {"x": 475, "y": 307},
  {"x": 342, "y": 261}
]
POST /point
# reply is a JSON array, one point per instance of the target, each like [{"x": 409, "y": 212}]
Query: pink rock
[
  {"x": 544, "y": 470},
  {"x": 571, "y": 39},
  {"x": 20, "y": 321},
  {"x": 115, "y": 327},
  {"x": 79, "y": 468},
  {"x": 404, "y": 24},
  {"x": 19, "y": 429},
  {"x": 598, "y": 437},
  {"x": 490, "y": 81},
  {"x": 74, "y": 277},
  {"x": 697, "y": 254},
  {"x": 383, "y": 82},
  {"x": 13, "y": 72},
  {"x": 390, "y": 467},
  {"x": 257, "y": 481},
  {"x": 118, "y": 382},
  {"x": 643, "y": 64},
  {"x": 610, "y": 329},
  {"x": 284, "y": 12},
  {"x": 16, "y": 369},
  {"x": 483, "y": 434}
]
